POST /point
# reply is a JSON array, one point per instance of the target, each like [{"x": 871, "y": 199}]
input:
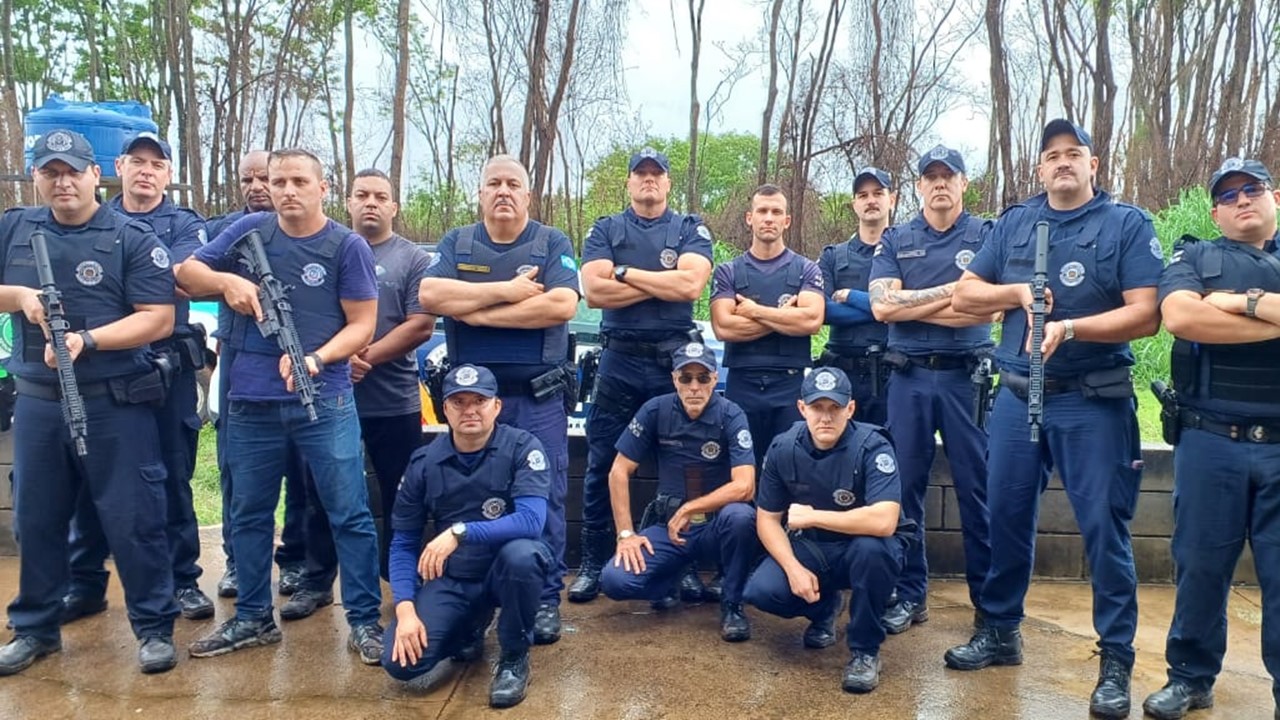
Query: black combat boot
[
  {"x": 734, "y": 626},
  {"x": 586, "y": 586},
  {"x": 988, "y": 646},
  {"x": 1110, "y": 698},
  {"x": 1175, "y": 700},
  {"x": 510, "y": 680}
]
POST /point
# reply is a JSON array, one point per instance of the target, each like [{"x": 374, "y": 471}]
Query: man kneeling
[
  {"x": 706, "y": 475},
  {"x": 486, "y": 485},
  {"x": 837, "y": 482}
]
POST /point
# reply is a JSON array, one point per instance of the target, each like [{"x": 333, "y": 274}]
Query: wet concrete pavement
[{"x": 618, "y": 660}]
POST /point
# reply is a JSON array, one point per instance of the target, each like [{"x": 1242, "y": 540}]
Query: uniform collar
[
  {"x": 102, "y": 219},
  {"x": 164, "y": 208},
  {"x": 454, "y": 452},
  {"x": 713, "y": 407},
  {"x": 806, "y": 441},
  {"x": 631, "y": 215},
  {"x": 919, "y": 223}
]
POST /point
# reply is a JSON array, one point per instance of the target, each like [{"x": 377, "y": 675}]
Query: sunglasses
[
  {"x": 1250, "y": 190},
  {"x": 701, "y": 379}
]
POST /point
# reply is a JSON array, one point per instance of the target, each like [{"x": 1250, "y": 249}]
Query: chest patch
[
  {"x": 711, "y": 450},
  {"x": 493, "y": 508},
  {"x": 89, "y": 273},
  {"x": 379, "y": 270},
  {"x": 963, "y": 258},
  {"x": 784, "y": 299},
  {"x": 524, "y": 269},
  {"x": 1071, "y": 274},
  {"x": 313, "y": 274},
  {"x": 844, "y": 498}
]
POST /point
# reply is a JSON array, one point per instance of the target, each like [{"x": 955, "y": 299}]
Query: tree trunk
[
  {"x": 398, "y": 102},
  {"x": 349, "y": 109},
  {"x": 695, "y": 31},
  {"x": 1003, "y": 120},
  {"x": 762, "y": 169}
]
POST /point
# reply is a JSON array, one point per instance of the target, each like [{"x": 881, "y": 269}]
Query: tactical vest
[
  {"x": 455, "y": 494},
  {"x": 834, "y": 481},
  {"x": 1240, "y": 379},
  {"x": 926, "y": 261},
  {"x": 653, "y": 248},
  {"x": 774, "y": 350},
  {"x": 311, "y": 269},
  {"x": 162, "y": 221},
  {"x": 852, "y": 270},
  {"x": 1084, "y": 277},
  {"x": 696, "y": 438},
  {"x": 477, "y": 262},
  {"x": 91, "y": 279}
]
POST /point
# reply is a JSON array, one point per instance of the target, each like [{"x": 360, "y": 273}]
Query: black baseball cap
[
  {"x": 470, "y": 378},
  {"x": 1238, "y": 166},
  {"x": 68, "y": 146},
  {"x": 1062, "y": 126},
  {"x": 941, "y": 154},
  {"x": 874, "y": 173},
  {"x": 826, "y": 382},
  {"x": 650, "y": 155},
  {"x": 147, "y": 138}
]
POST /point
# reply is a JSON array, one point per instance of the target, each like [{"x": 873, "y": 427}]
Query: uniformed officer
[
  {"x": 857, "y": 340},
  {"x": 1221, "y": 301},
  {"x": 145, "y": 172},
  {"x": 706, "y": 477},
  {"x": 1104, "y": 262},
  {"x": 836, "y": 481},
  {"x": 291, "y": 554},
  {"x": 386, "y": 381},
  {"x": 507, "y": 287},
  {"x": 335, "y": 302},
  {"x": 117, "y": 291},
  {"x": 934, "y": 350},
  {"x": 485, "y": 487},
  {"x": 766, "y": 305},
  {"x": 645, "y": 267}
]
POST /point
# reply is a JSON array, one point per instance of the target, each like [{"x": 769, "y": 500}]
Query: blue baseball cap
[
  {"x": 829, "y": 383},
  {"x": 941, "y": 154},
  {"x": 68, "y": 146},
  {"x": 147, "y": 138},
  {"x": 1238, "y": 166},
  {"x": 1062, "y": 126},
  {"x": 470, "y": 378},
  {"x": 693, "y": 353},
  {"x": 650, "y": 155},
  {"x": 874, "y": 173}
]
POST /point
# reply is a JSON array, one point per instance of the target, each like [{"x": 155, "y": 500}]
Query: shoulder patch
[
  {"x": 885, "y": 463},
  {"x": 568, "y": 263},
  {"x": 744, "y": 439},
  {"x": 635, "y": 427},
  {"x": 537, "y": 461},
  {"x": 704, "y": 232},
  {"x": 159, "y": 257},
  {"x": 1156, "y": 249}
]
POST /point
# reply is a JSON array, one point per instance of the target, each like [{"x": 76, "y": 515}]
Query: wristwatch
[
  {"x": 1252, "y": 296},
  {"x": 318, "y": 361},
  {"x": 625, "y": 534},
  {"x": 459, "y": 531},
  {"x": 91, "y": 344},
  {"x": 620, "y": 272},
  {"x": 1068, "y": 330}
]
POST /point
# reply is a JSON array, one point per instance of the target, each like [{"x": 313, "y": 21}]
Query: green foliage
[
  {"x": 721, "y": 252},
  {"x": 429, "y": 212}
]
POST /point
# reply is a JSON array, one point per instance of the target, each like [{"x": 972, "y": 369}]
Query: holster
[
  {"x": 190, "y": 346},
  {"x": 1110, "y": 384},
  {"x": 150, "y": 388}
]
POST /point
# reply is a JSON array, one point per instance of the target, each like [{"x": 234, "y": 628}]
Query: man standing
[
  {"x": 645, "y": 267},
  {"x": 1104, "y": 263},
  {"x": 335, "y": 302},
  {"x": 507, "y": 288},
  {"x": 837, "y": 483},
  {"x": 857, "y": 341},
  {"x": 933, "y": 351},
  {"x": 1219, "y": 299},
  {"x": 706, "y": 477},
  {"x": 291, "y": 555},
  {"x": 386, "y": 381},
  {"x": 117, "y": 290},
  {"x": 145, "y": 172},
  {"x": 485, "y": 486},
  {"x": 765, "y": 306}
]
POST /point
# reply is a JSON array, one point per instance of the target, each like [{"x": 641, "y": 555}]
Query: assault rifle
[
  {"x": 55, "y": 317},
  {"x": 1035, "y": 383},
  {"x": 277, "y": 313}
]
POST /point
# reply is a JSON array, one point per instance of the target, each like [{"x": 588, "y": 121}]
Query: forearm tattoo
[{"x": 882, "y": 292}]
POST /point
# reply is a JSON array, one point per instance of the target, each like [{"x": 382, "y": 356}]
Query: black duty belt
[
  {"x": 54, "y": 392},
  {"x": 660, "y": 351},
  {"x": 1244, "y": 430},
  {"x": 940, "y": 362},
  {"x": 1053, "y": 385}
]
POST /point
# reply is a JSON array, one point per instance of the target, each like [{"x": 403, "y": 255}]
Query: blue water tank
[{"x": 106, "y": 125}]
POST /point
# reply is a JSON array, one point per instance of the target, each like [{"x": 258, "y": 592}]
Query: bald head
[{"x": 254, "y": 188}]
